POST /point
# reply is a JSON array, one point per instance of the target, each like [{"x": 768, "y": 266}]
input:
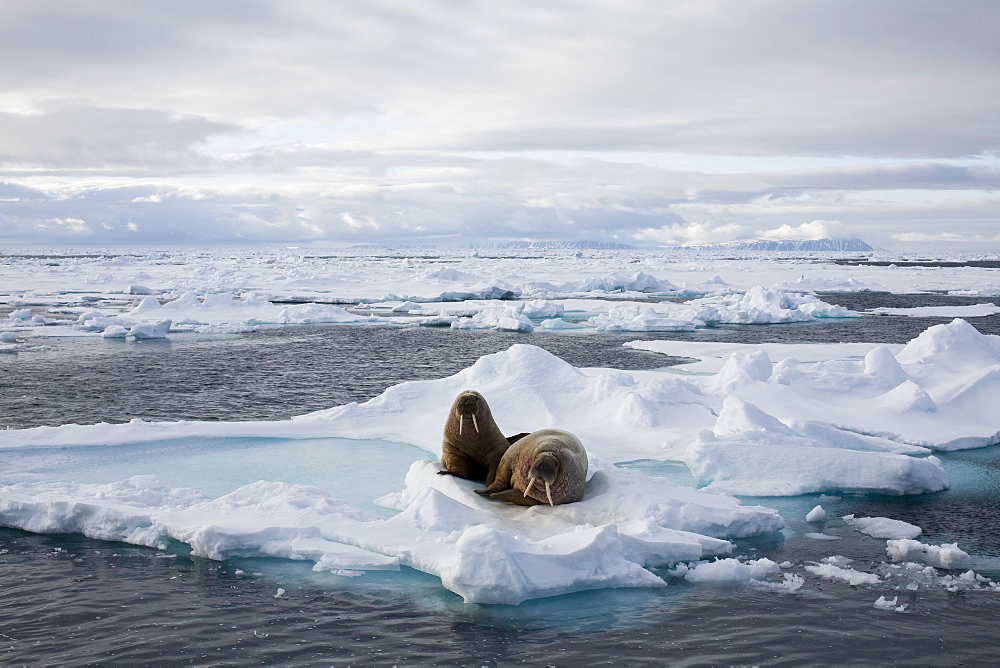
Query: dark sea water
[{"x": 69, "y": 600}]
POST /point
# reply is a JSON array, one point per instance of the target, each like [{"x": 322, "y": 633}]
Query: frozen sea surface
[{"x": 132, "y": 605}]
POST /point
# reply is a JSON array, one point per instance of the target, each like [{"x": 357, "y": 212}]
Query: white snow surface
[{"x": 937, "y": 392}]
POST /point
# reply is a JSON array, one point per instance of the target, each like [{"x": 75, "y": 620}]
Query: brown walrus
[
  {"x": 546, "y": 466},
  {"x": 473, "y": 443}
]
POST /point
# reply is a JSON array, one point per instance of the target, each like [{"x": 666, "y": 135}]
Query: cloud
[
  {"x": 71, "y": 225},
  {"x": 265, "y": 122},
  {"x": 98, "y": 137},
  {"x": 817, "y": 229},
  {"x": 849, "y": 78},
  {"x": 692, "y": 233},
  {"x": 908, "y": 175}
]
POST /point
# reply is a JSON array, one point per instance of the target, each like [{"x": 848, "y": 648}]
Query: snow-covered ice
[
  {"x": 970, "y": 311},
  {"x": 935, "y": 392},
  {"x": 232, "y": 290},
  {"x": 731, "y": 571},
  {"x": 846, "y": 574},
  {"x": 883, "y": 527},
  {"x": 485, "y": 551},
  {"x": 948, "y": 555}
]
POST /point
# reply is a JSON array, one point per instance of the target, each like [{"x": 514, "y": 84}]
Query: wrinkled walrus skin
[
  {"x": 546, "y": 466},
  {"x": 473, "y": 443}
]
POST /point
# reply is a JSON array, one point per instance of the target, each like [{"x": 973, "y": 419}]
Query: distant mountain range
[
  {"x": 850, "y": 245},
  {"x": 847, "y": 245}
]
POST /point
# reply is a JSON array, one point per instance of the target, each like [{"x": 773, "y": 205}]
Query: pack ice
[
  {"x": 754, "y": 426},
  {"x": 236, "y": 312}
]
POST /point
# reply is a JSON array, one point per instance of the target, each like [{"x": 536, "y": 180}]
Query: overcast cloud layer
[{"x": 448, "y": 122}]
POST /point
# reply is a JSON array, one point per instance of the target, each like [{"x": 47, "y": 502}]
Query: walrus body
[
  {"x": 473, "y": 443},
  {"x": 546, "y": 466}
]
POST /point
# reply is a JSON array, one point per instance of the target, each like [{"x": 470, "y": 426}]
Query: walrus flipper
[
  {"x": 517, "y": 437},
  {"x": 454, "y": 465},
  {"x": 515, "y": 496}
]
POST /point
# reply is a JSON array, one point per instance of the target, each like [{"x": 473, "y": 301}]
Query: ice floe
[
  {"x": 948, "y": 555},
  {"x": 209, "y": 313},
  {"x": 832, "y": 571},
  {"x": 883, "y": 527},
  {"x": 970, "y": 311},
  {"x": 485, "y": 551}
]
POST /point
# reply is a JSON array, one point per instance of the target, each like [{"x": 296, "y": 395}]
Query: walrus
[
  {"x": 546, "y": 466},
  {"x": 473, "y": 443}
]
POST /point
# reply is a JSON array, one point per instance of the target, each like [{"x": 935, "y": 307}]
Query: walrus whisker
[
  {"x": 527, "y": 490},
  {"x": 548, "y": 492},
  {"x": 474, "y": 423}
]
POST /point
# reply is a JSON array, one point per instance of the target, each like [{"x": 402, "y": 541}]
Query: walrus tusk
[
  {"x": 474, "y": 423},
  {"x": 531, "y": 481},
  {"x": 548, "y": 492},
  {"x": 461, "y": 419}
]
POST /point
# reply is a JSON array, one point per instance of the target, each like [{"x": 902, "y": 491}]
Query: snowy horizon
[{"x": 388, "y": 123}]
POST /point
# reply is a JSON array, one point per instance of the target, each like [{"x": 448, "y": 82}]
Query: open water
[{"x": 69, "y": 600}]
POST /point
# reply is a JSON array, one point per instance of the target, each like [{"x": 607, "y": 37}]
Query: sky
[{"x": 450, "y": 122}]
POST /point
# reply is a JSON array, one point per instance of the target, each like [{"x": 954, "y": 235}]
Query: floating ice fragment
[
  {"x": 155, "y": 330},
  {"x": 883, "y": 604},
  {"x": 559, "y": 323},
  {"x": 789, "y": 584},
  {"x": 947, "y": 555},
  {"x": 849, "y": 575},
  {"x": 114, "y": 332},
  {"x": 883, "y": 527},
  {"x": 509, "y": 319},
  {"x": 731, "y": 571},
  {"x": 816, "y": 514}
]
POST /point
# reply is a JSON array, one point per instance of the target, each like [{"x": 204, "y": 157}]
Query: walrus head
[
  {"x": 544, "y": 468},
  {"x": 468, "y": 404}
]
